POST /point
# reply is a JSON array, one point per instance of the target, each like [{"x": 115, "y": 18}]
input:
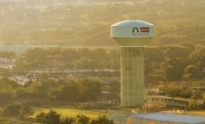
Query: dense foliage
[
  {"x": 17, "y": 110},
  {"x": 52, "y": 117},
  {"x": 175, "y": 63},
  {"x": 84, "y": 90},
  {"x": 167, "y": 63},
  {"x": 17, "y": 99},
  {"x": 68, "y": 59},
  {"x": 46, "y": 90},
  {"x": 87, "y": 22},
  {"x": 181, "y": 64}
]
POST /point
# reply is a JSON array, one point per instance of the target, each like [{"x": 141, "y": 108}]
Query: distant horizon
[{"x": 64, "y": 23}]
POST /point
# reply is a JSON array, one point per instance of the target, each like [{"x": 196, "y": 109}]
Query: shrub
[
  {"x": 52, "y": 117},
  {"x": 67, "y": 121},
  {"x": 102, "y": 120},
  {"x": 82, "y": 119},
  {"x": 12, "y": 110},
  {"x": 17, "y": 110}
]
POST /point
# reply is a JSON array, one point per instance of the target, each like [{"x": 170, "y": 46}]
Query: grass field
[
  {"x": 71, "y": 112},
  {"x": 93, "y": 114}
]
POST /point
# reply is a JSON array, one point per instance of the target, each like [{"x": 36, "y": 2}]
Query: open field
[
  {"x": 71, "y": 112},
  {"x": 93, "y": 114}
]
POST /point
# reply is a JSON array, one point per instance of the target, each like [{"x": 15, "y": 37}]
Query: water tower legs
[{"x": 132, "y": 76}]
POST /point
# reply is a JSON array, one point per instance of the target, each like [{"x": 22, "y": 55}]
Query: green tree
[
  {"x": 193, "y": 104},
  {"x": 17, "y": 110},
  {"x": 191, "y": 72},
  {"x": 114, "y": 90},
  {"x": 157, "y": 75},
  {"x": 68, "y": 120},
  {"x": 21, "y": 93},
  {"x": 56, "y": 93},
  {"x": 197, "y": 94},
  {"x": 173, "y": 91},
  {"x": 52, "y": 117},
  {"x": 176, "y": 52},
  {"x": 185, "y": 92},
  {"x": 68, "y": 56},
  {"x": 173, "y": 73},
  {"x": 100, "y": 57},
  {"x": 5, "y": 72},
  {"x": 56, "y": 51},
  {"x": 84, "y": 52},
  {"x": 12, "y": 110},
  {"x": 7, "y": 84},
  {"x": 114, "y": 59},
  {"x": 35, "y": 57},
  {"x": 6, "y": 96},
  {"x": 7, "y": 54},
  {"x": 42, "y": 89},
  {"x": 41, "y": 117},
  {"x": 29, "y": 83},
  {"x": 67, "y": 92},
  {"x": 102, "y": 120},
  {"x": 89, "y": 90},
  {"x": 174, "y": 69},
  {"x": 25, "y": 112},
  {"x": 82, "y": 119},
  {"x": 154, "y": 53},
  {"x": 21, "y": 64},
  {"x": 84, "y": 63},
  {"x": 197, "y": 54}
]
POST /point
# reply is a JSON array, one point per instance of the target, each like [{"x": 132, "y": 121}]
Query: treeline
[
  {"x": 162, "y": 63},
  {"x": 23, "y": 113},
  {"x": 68, "y": 59},
  {"x": 88, "y": 24},
  {"x": 175, "y": 63},
  {"x": 191, "y": 91},
  {"x": 17, "y": 100},
  {"x": 48, "y": 91},
  {"x": 52, "y": 117}
]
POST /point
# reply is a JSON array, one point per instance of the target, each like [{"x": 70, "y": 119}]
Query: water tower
[{"x": 132, "y": 36}]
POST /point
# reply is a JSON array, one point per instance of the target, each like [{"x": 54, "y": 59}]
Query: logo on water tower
[{"x": 140, "y": 31}]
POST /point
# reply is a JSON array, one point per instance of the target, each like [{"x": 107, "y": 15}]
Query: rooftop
[
  {"x": 187, "y": 119},
  {"x": 133, "y": 23}
]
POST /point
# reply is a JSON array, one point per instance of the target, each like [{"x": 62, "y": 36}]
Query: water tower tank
[{"x": 132, "y": 36}]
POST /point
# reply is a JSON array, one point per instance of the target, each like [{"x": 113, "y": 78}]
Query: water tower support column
[
  {"x": 132, "y": 76},
  {"x": 132, "y": 36}
]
